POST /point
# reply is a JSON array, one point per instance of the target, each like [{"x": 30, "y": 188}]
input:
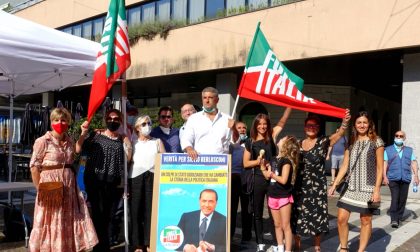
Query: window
[
  {"x": 179, "y": 10},
  {"x": 149, "y": 12},
  {"x": 215, "y": 8},
  {"x": 134, "y": 16},
  {"x": 235, "y": 7},
  {"x": 196, "y": 11},
  {"x": 67, "y": 30},
  {"x": 257, "y": 4},
  {"x": 164, "y": 10},
  {"x": 77, "y": 30},
  {"x": 87, "y": 30},
  {"x": 98, "y": 26}
]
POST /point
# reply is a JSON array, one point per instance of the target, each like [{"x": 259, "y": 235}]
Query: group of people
[{"x": 290, "y": 172}]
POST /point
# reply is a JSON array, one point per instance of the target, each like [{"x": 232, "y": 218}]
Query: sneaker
[
  {"x": 394, "y": 224},
  {"x": 260, "y": 248}
]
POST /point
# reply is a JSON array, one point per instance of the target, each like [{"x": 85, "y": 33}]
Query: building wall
[
  {"x": 410, "y": 118},
  {"x": 305, "y": 29}
]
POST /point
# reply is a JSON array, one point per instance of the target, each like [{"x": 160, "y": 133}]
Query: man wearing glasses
[
  {"x": 400, "y": 164},
  {"x": 168, "y": 135},
  {"x": 186, "y": 111}
]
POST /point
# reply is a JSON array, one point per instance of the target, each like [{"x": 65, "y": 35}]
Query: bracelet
[{"x": 344, "y": 125}]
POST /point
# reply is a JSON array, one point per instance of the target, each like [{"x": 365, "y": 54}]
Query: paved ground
[{"x": 384, "y": 238}]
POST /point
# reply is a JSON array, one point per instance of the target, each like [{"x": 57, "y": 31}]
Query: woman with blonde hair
[
  {"x": 282, "y": 174},
  {"x": 363, "y": 161},
  {"x": 61, "y": 218},
  {"x": 141, "y": 175}
]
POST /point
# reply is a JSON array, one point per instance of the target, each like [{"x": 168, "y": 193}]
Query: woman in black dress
[{"x": 262, "y": 135}]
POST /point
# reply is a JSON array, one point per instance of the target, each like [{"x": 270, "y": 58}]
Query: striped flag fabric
[
  {"x": 113, "y": 58},
  {"x": 266, "y": 79}
]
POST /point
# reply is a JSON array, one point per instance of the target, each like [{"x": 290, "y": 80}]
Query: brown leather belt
[{"x": 54, "y": 167}]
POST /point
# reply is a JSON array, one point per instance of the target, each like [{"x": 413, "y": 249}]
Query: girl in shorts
[{"x": 281, "y": 173}]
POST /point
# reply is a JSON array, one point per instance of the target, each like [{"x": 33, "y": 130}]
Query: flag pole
[
  {"x": 234, "y": 107},
  {"x": 125, "y": 196}
]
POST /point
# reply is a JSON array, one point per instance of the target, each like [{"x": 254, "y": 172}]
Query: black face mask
[{"x": 113, "y": 126}]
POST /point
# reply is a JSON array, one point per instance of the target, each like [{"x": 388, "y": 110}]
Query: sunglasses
[
  {"x": 165, "y": 117},
  {"x": 145, "y": 123},
  {"x": 399, "y": 136},
  {"x": 112, "y": 119},
  {"x": 312, "y": 126}
]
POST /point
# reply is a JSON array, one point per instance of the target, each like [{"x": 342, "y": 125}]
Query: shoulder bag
[{"x": 343, "y": 185}]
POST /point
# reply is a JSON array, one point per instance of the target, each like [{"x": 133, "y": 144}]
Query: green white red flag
[
  {"x": 113, "y": 58},
  {"x": 266, "y": 79}
]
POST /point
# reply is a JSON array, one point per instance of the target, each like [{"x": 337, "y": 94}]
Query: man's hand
[
  {"x": 385, "y": 180},
  {"x": 206, "y": 246},
  {"x": 189, "y": 248},
  {"x": 191, "y": 152},
  {"x": 416, "y": 179}
]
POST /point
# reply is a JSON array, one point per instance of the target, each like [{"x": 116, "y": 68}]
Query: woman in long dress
[
  {"x": 60, "y": 224},
  {"x": 310, "y": 209}
]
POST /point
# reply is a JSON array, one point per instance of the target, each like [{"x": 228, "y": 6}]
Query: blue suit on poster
[{"x": 215, "y": 234}]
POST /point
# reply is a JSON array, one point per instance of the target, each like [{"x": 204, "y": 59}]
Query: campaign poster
[{"x": 186, "y": 191}]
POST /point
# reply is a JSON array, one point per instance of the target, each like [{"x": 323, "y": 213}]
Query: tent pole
[
  {"x": 10, "y": 157},
  {"x": 125, "y": 196}
]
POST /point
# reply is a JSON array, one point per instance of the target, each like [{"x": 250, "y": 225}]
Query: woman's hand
[
  {"x": 331, "y": 190},
  {"x": 376, "y": 197},
  {"x": 84, "y": 127},
  {"x": 346, "y": 118}
]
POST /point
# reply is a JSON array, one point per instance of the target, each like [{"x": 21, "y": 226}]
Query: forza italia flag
[
  {"x": 266, "y": 79},
  {"x": 113, "y": 58}
]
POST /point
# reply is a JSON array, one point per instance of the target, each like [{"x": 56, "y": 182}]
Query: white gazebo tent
[{"x": 35, "y": 59}]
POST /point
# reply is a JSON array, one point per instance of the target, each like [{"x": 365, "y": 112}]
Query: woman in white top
[{"x": 145, "y": 149}]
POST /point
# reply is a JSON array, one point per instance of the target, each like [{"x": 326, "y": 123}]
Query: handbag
[
  {"x": 50, "y": 194},
  {"x": 247, "y": 177},
  {"x": 343, "y": 185}
]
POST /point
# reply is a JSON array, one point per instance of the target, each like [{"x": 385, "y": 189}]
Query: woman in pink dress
[{"x": 60, "y": 223}]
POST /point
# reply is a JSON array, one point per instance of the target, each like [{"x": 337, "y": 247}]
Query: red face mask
[{"x": 60, "y": 128}]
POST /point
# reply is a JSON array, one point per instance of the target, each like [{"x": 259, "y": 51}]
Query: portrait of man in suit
[{"x": 204, "y": 229}]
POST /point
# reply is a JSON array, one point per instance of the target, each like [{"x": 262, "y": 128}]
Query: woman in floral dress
[
  {"x": 65, "y": 226},
  {"x": 310, "y": 211}
]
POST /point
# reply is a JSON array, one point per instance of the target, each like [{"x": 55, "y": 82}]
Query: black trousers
[
  {"x": 246, "y": 217},
  {"x": 399, "y": 193},
  {"x": 141, "y": 195},
  {"x": 260, "y": 191},
  {"x": 117, "y": 215},
  {"x": 101, "y": 196}
]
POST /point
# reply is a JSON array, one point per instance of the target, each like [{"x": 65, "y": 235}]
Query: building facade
[{"x": 363, "y": 55}]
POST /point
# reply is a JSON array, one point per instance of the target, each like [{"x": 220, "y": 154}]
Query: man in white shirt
[
  {"x": 186, "y": 111},
  {"x": 207, "y": 131}
]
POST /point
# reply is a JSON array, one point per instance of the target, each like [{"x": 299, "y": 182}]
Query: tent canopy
[{"x": 35, "y": 58}]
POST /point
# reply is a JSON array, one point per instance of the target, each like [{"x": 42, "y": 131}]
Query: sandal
[{"x": 345, "y": 249}]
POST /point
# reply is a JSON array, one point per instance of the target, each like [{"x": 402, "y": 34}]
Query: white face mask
[{"x": 145, "y": 131}]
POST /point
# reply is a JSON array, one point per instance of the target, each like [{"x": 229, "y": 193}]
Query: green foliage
[
  {"x": 237, "y": 10},
  {"x": 150, "y": 30},
  {"x": 95, "y": 123}
]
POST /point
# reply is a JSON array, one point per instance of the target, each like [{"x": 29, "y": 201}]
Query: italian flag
[
  {"x": 266, "y": 79},
  {"x": 113, "y": 58}
]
